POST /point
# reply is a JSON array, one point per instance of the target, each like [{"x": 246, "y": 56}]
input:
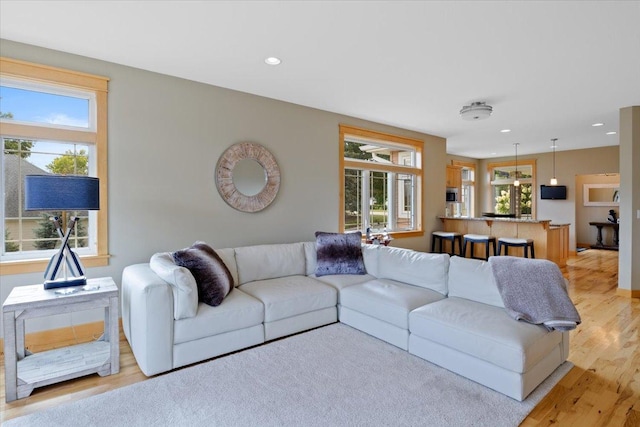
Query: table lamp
[{"x": 62, "y": 193}]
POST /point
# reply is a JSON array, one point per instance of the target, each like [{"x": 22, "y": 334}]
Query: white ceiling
[{"x": 549, "y": 69}]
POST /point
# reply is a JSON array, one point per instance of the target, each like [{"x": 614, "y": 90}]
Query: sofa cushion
[
  {"x": 183, "y": 285},
  {"x": 237, "y": 311},
  {"x": 473, "y": 279},
  {"x": 289, "y": 296},
  {"x": 341, "y": 281},
  {"x": 264, "y": 262},
  {"x": 422, "y": 269},
  {"x": 228, "y": 256},
  {"x": 370, "y": 257},
  {"x": 310, "y": 257},
  {"x": 483, "y": 331},
  {"x": 339, "y": 253},
  {"x": 387, "y": 300},
  {"x": 212, "y": 275}
]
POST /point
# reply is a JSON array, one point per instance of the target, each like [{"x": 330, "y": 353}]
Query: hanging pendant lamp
[{"x": 553, "y": 180}]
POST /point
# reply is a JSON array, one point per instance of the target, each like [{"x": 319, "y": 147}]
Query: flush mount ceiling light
[
  {"x": 272, "y": 60},
  {"x": 476, "y": 111}
]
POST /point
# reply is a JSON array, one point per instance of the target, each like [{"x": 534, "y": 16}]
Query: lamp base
[{"x": 65, "y": 283}]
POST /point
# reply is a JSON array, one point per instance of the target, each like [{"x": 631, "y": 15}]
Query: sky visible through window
[{"x": 45, "y": 108}]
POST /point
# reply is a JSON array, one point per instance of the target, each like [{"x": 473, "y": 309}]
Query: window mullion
[
  {"x": 392, "y": 202},
  {"x": 366, "y": 199}
]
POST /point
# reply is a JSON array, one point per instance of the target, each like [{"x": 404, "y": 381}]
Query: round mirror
[{"x": 249, "y": 177}]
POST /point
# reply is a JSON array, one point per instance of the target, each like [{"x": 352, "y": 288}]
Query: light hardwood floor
[{"x": 603, "y": 389}]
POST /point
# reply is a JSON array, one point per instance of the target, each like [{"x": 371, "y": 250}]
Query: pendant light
[
  {"x": 516, "y": 183},
  {"x": 553, "y": 180}
]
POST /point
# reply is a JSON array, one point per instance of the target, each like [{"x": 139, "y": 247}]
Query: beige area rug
[{"x": 331, "y": 376}]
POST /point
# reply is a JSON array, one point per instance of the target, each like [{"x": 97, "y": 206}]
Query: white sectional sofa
[{"x": 445, "y": 310}]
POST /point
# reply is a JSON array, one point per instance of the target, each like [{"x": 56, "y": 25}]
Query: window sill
[
  {"x": 39, "y": 265},
  {"x": 401, "y": 234}
]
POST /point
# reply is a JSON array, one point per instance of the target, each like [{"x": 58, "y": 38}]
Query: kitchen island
[{"x": 551, "y": 241}]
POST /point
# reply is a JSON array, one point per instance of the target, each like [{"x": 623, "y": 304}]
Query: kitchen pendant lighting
[
  {"x": 516, "y": 183},
  {"x": 554, "y": 181}
]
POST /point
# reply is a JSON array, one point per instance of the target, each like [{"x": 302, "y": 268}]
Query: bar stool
[
  {"x": 516, "y": 243},
  {"x": 451, "y": 236},
  {"x": 478, "y": 238}
]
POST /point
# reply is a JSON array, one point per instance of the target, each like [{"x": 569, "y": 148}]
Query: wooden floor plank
[{"x": 603, "y": 388}]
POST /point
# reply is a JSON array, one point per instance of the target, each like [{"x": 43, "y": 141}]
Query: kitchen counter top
[
  {"x": 501, "y": 219},
  {"x": 519, "y": 220}
]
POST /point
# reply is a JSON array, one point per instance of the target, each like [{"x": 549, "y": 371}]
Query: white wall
[{"x": 165, "y": 137}]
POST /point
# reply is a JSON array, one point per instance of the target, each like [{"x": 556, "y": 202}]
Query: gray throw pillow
[
  {"x": 339, "y": 253},
  {"x": 212, "y": 276}
]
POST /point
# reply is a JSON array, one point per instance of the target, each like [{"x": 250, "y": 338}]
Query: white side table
[{"x": 24, "y": 372}]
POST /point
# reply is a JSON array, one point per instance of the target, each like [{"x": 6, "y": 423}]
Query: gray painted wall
[{"x": 165, "y": 137}]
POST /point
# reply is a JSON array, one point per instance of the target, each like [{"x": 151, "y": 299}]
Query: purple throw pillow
[
  {"x": 212, "y": 276},
  {"x": 339, "y": 253}
]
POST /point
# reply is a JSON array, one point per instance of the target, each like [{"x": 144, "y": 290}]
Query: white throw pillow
[
  {"x": 422, "y": 269},
  {"x": 472, "y": 279},
  {"x": 370, "y": 256},
  {"x": 262, "y": 262},
  {"x": 228, "y": 256},
  {"x": 310, "y": 257},
  {"x": 183, "y": 285}
]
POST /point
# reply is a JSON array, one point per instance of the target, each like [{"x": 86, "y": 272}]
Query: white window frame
[
  {"x": 408, "y": 145},
  {"x": 42, "y": 78},
  {"x": 468, "y": 188},
  {"x": 92, "y": 220},
  {"x": 509, "y": 181},
  {"x": 54, "y": 89}
]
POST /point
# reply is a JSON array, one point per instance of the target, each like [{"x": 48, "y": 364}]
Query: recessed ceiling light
[
  {"x": 272, "y": 60},
  {"x": 494, "y": 153},
  {"x": 597, "y": 124},
  {"x": 611, "y": 133},
  {"x": 505, "y": 130}
]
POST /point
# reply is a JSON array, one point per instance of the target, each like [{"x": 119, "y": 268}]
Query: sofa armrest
[{"x": 147, "y": 318}]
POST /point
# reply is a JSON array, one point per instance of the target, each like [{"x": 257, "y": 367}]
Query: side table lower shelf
[
  {"x": 23, "y": 371},
  {"x": 61, "y": 364}
]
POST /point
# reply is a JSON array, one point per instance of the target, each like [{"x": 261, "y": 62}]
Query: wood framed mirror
[
  {"x": 601, "y": 194},
  {"x": 247, "y": 177}
]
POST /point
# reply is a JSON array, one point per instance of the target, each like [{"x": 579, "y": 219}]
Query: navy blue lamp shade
[{"x": 61, "y": 193}]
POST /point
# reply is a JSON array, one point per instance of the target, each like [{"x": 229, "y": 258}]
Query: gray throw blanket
[{"x": 533, "y": 290}]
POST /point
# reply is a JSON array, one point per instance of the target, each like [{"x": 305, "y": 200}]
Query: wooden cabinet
[{"x": 454, "y": 177}]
